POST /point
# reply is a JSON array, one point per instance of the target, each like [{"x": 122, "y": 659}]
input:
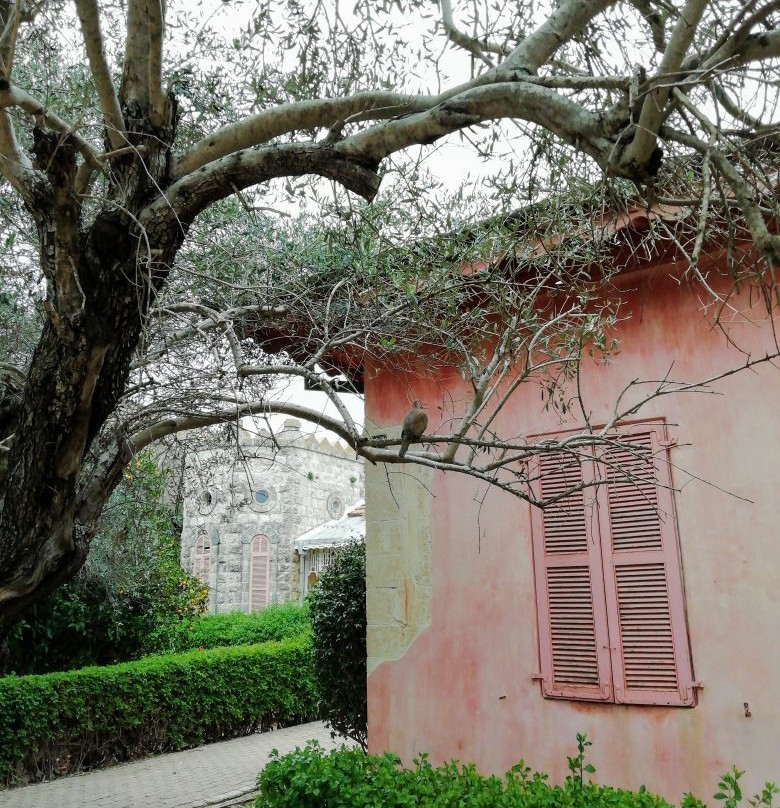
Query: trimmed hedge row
[
  {"x": 276, "y": 622},
  {"x": 348, "y": 778},
  {"x": 64, "y": 722}
]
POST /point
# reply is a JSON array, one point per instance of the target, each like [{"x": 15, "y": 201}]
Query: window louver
[
  {"x": 564, "y": 521},
  {"x": 572, "y": 626},
  {"x": 259, "y": 568},
  {"x": 617, "y": 562},
  {"x": 201, "y": 567},
  {"x": 570, "y": 591},
  {"x": 646, "y": 627}
]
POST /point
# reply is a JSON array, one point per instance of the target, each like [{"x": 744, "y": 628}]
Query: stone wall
[
  {"x": 399, "y": 561},
  {"x": 276, "y": 486}
]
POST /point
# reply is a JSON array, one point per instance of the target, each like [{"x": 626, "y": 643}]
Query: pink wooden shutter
[
  {"x": 573, "y": 642},
  {"x": 643, "y": 581},
  {"x": 259, "y": 567},
  {"x": 201, "y": 566}
]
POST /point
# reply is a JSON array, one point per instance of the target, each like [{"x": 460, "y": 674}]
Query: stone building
[{"x": 244, "y": 509}]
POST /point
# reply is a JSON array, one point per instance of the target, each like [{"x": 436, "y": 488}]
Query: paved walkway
[{"x": 219, "y": 774}]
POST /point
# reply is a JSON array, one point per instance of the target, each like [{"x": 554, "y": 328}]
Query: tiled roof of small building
[{"x": 335, "y": 533}]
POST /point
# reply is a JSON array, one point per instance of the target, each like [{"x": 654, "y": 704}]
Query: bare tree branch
[
  {"x": 135, "y": 75},
  {"x": 474, "y": 47},
  {"x": 11, "y": 15},
  {"x": 279, "y": 120},
  {"x": 158, "y": 101},
  {"x": 89, "y": 18},
  {"x": 568, "y": 19},
  {"x": 654, "y": 104},
  {"x": 221, "y": 178},
  {"x": 11, "y": 96},
  {"x": 15, "y": 166}
]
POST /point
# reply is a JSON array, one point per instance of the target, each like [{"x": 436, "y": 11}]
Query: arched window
[
  {"x": 259, "y": 573},
  {"x": 201, "y": 566}
]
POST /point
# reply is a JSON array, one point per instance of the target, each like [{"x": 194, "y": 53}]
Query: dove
[{"x": 413, "y": 427}]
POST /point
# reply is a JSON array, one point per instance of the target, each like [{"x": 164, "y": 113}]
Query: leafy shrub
[
  {"x": 338, "y": 618},
  {"x": 348, "y": 778},
  {"x": 131, "y": 588},
  {"x": 64, "y": 722},
  {"x": 277, "y": 622}
]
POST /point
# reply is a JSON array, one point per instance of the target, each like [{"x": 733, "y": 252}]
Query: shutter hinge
[
  {"x": 667, "y": 444},
  {"x": 697, "y": 685},
  {"x": 537, "y": 677}
]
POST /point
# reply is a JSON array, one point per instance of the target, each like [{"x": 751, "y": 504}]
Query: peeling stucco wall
[
  {"x": 459, "y": 680},
  {"x": 399, "y": 565}
]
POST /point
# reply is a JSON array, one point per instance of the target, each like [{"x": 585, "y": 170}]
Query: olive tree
[{"x": 125, "y": 127}]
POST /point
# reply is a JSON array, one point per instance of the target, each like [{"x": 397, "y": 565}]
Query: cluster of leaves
[
  {"x": 130, "y": 595},
  {"x": 64, "y": 722},
  {"x": 18, "y": 321},
  {"x": 279, "y": 621},
  {"x": 730, "y": 792},
  {"x": 347, "y": 778},
  {"x": 338, "y": 617}
]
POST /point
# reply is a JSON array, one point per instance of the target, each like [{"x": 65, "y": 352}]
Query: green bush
[
  {"x": 348, "y": 778},
  {"x": 338, "y": 617},
  {"x": 64, "y": 722},
  {"x": 277, "y": 622},
  {"x": 131, "y": 589}
]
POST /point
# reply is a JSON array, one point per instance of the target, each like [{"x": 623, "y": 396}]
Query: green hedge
[
  {"x": 348, "y": 778},
  {"x": 277, "y": 622},
  {"x": 338, "y": 641},
  {"x": 63, "y": 722}
]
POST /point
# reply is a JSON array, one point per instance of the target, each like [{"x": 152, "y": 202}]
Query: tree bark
[{"x": 102, "y": 280}]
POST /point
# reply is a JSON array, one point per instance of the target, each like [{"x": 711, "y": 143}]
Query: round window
[
  {"x": 263, "y": 498},
  {"x": 206, "y": 501},
  {"x": 335, "y": 506}
]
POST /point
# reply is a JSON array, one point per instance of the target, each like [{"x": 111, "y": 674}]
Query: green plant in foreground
[
  {"x": 730, "y": 791},
  {"x": 349, "y": 778},
  {"x": 765, "y": 798},
  {"x": 577, "y": 765}
]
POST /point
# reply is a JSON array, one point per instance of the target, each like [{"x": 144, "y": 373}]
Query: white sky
[{"x": 292, "y": 391}]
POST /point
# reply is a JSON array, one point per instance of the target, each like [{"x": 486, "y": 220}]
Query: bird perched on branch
[{"x": 413, "y": 427}]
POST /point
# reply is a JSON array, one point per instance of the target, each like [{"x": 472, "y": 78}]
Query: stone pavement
[{"x": 217, "y": 775}]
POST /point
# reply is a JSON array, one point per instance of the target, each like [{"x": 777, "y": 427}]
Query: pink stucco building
[{"x": 645, "y": 615}]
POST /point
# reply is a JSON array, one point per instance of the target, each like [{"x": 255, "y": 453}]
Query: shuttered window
[
  {"x": 608, "y": 577},
  {"x": 259, "y": 573},
  {"x": 201, "y": 565}
]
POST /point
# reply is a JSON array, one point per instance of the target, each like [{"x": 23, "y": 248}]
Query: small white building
[{"x": 315, "y": 548}]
